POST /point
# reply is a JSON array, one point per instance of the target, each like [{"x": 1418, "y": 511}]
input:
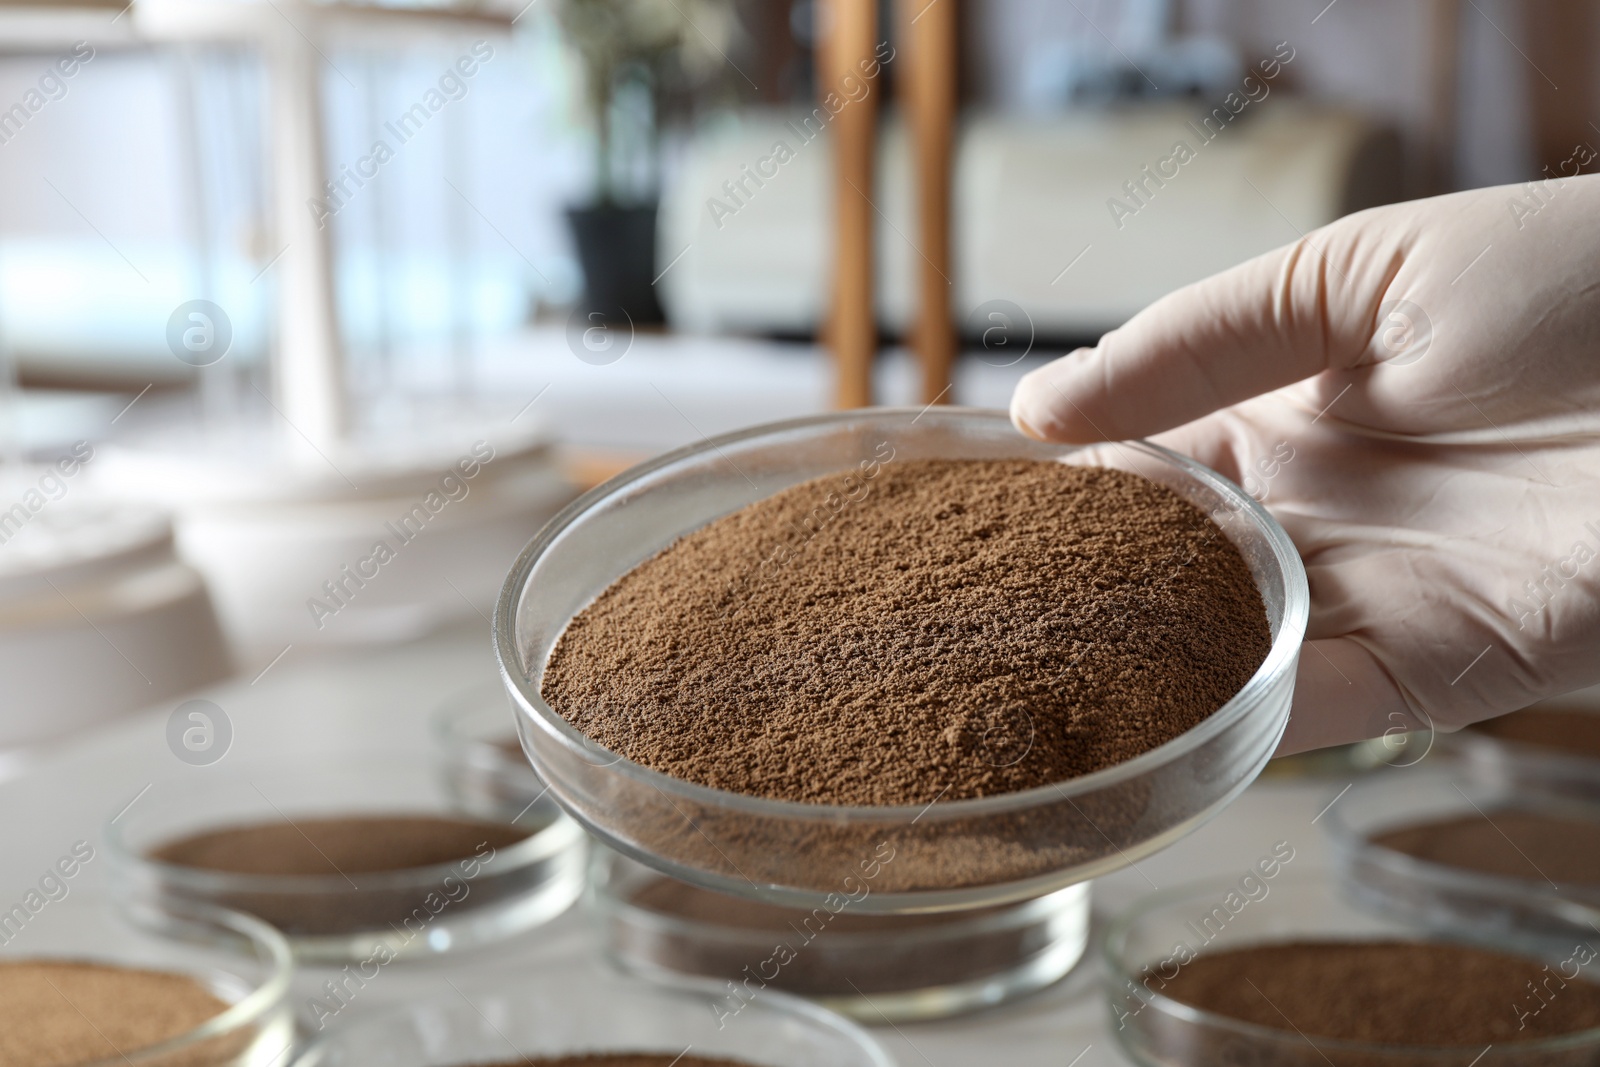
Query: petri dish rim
[
  {"x": 1353, "y": 844},
  {"x": 602, "y": 897},
  {"x": 542, "y": 844},
  {"x": 1285, "y": 643},
  {"x": 773, "y": 1003},
  {"x": 256, "y": 1006},
  {"x": 1120, "y": 969}
]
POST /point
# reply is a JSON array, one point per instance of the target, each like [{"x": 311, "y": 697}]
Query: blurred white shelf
[{"x": 48, "y": 26}]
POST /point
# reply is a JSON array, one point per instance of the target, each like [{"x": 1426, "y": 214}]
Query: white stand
[
  {"x": 307, "y": 360},
  {"x": 284, "y": 520}
]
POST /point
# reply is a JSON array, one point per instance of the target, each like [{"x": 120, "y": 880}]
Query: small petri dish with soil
[
  {"x": 485, "y": 770},
  {"x": 1551, "y": 748},
  {"x": 83, "y": 986},
  {"x": 907, "y": 656},
  {"x": 352, "y": 856},
  {"x": 592, "y": 1018},
  {"x": 1436, "y": 850},
  {"x": 1283, "y": 971},
  {"x": 869, "y": 967}
]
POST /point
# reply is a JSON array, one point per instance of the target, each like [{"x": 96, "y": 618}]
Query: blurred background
[{"x": 311, "y": 313}]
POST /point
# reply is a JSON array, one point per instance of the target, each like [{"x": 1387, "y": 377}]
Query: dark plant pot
[{"x": 617, "y": 248}]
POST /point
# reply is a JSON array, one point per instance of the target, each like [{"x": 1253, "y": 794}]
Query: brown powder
[
  {"x": 1391, "y": 992},
  {"x": 332, "y": 846},
  {"x": 961, "y": 629},
  {"x": 1515, "y": 844},
  {"x": 354, "y": 859},
  {"x": 620, "y": 1059},
  {"x": 1576, "y": 733},
  {"x": 56, "y": 1013}
]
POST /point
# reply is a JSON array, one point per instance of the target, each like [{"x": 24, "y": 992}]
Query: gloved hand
[{"x": 1414, "y": 392}]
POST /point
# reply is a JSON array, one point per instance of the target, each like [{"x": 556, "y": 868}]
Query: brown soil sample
[
  {"x": 620, "y": 1059},
  {"x": 1515, "y": 844},
  {"x": 56, "y": 1013},
  {"x": 960, "y": 629},
  {"x": 349, "y": 845},
  {"x": 371, "y": 871},
  {"x": 1576, "y": 733},
  {"x": 1389, "y": 992}
]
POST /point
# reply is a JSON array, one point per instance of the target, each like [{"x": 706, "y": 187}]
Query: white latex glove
[{"x": 1436, "y": 460}]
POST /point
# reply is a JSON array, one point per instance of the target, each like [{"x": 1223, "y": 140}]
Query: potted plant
[{"x": 646, "y": 64}]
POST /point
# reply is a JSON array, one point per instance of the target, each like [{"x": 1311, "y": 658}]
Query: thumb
[
  {"x": 1343, "y": 693},
  {"x": 1267, "y": 323}
]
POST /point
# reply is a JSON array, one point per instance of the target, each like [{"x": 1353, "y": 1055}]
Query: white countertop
[{"x": 304, "y": 704}]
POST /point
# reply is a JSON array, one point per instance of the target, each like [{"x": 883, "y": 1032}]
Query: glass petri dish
[
  {"x": 238, "y": 959},
  {"x": 416, "y": 911},
  {"x": 959, "y": 854},
  {"x": 1501, "y": 755},
  {"x": 1157, "y": 1031},
  {"x": 873, "y": 968},
  {"x": 485, "y": 770},
  {"x": 1439, "y": 895},
  {"x": 575, "y": 1013}
]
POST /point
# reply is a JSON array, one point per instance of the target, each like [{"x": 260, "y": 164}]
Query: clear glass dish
[
  {"x": 869, "y": 967},
  {"x": 583, "y": 1012},
  {"x": 238, "y": 959},
  {"x": 485, "y": 770},
  {"x": 413, "y": 911},
  {"x": 1439, "y": 895},
  {"x": 1157, "y": 1031},
  {"x": 1526, "y": 768},
  {"x": 958, "y": 854}
]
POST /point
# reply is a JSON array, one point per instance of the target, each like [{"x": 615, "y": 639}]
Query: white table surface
[{"x": 383, "y": 698}]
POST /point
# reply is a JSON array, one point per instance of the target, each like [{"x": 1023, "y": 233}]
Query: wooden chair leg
[
  {"x": 927, "y": 84},
  {"x": 850, "y": 30}
]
